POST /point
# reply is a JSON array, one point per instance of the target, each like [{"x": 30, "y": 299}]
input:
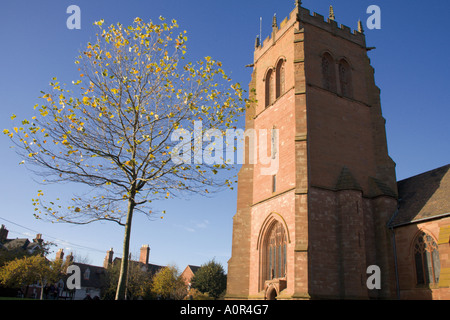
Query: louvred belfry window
[
  {"x": 280, "y": 87},
  {"x": 269, "y": 88},
  {"x": 345, "y": 78},
  {"x": 328, "y": 73}
]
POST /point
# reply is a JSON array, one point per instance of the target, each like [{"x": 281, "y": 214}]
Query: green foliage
[
  {"x": 31, "y": 269},
  {"x": 138, "y": 282},
  {"x": 194, "y": 294},
  {"x": 10, "y": 255},
  {"x": 168, "y": 284},
  {"x": 210, "y": 279}
]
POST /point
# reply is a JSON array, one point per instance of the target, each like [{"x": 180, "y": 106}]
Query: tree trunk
[
  {"x": 121, "y": 286},
  {"x": 42, "y": 290}
]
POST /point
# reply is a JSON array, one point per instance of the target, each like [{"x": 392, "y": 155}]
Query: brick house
[
  {"x": 19, "y": 244},
  {"x": 92, "y": 277},
  {"x": 188, "y": 274},
  {"x": 311, "y": 228}
]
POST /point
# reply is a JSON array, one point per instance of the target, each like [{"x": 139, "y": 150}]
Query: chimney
[
  {"x": 145, "y": 254},
  {"x": 38, "y": 239},
  {"x": 60, "y": 254},
  {"x": 69, "y": 258},
  {"x": 108, "y": 259},
  {"x": 3, "y": 234}
]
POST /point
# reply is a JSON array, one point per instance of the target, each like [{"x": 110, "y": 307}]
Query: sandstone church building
[{"x": 334, "y": 207}]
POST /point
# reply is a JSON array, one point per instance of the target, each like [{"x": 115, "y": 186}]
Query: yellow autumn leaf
[{"x": 86, "y": 100}]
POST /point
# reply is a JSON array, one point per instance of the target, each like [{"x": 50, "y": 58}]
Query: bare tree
[{"x": 126, "y": 130}]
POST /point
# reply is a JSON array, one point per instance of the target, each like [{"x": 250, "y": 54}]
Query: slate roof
[
  {"x": 194, "y": 269},
  {"x": 151, "y": 268},
  {"x": 91, "y": 276},
  {"x": 424, "y": 196},
  {"x": 12, "y": 244},
  {"x": 23, "y": 244}
]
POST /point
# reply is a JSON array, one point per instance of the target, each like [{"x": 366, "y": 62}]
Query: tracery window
[
  {"x": 426, "y": 258},
  {"x": 276, "y": 252}
]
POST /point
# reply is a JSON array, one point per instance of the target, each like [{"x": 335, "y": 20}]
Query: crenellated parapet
[{"x": 299, "y": 17}]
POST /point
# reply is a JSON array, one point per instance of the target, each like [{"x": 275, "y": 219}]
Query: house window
[
  {"x": 426, "y": 258},
  {"x": 87, "y": 274},
  {"x": 280, "y": 85},
  {"x": 345, "y": 79},
  {"x": 328, "y": 72},
  {"x": 275, "y": 253},
  {"x": 269, "y": 88}
]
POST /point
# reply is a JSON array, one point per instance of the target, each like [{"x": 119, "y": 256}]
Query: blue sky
[{"x": 412, "y": 70}]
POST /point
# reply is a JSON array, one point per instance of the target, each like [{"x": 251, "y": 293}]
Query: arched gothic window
[
  {"x": 275, "y": 252},
  {"x": 269, "y": 88},
  {"x": 345, "y": 78},
  {"x": 280, "y": 85},
  {"x": 328, "y": 72},
  {"x": 426, "y": 256}
]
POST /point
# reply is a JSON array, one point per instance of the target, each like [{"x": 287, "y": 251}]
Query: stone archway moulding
[{"x": 271, "y": 218}]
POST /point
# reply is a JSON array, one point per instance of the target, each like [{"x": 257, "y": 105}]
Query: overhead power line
[{"x": 57, "y": 239}]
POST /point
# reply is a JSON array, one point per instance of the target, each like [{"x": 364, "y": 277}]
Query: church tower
[{"x": 311, "y": 229}]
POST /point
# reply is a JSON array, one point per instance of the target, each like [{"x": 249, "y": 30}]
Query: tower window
[
  {"x": 345, "y": 78},
  {"x": 426, "y": 258},
  {"x": 269, "y": 88},
  {"x": 328, "y": 72},
  {"x": 280, "y": 85},
  {"x": 274, "y": 183}
]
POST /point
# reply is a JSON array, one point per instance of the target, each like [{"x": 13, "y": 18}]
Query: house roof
[
  {"x": 12, "y": 244},
  {"x": 23, "y": 244},
  {"x": 91, "y": 276},
  {"x": 152, "y": 268},
  {"x": 424, "y": 196},
  {"x": 193, "y": 268}
]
